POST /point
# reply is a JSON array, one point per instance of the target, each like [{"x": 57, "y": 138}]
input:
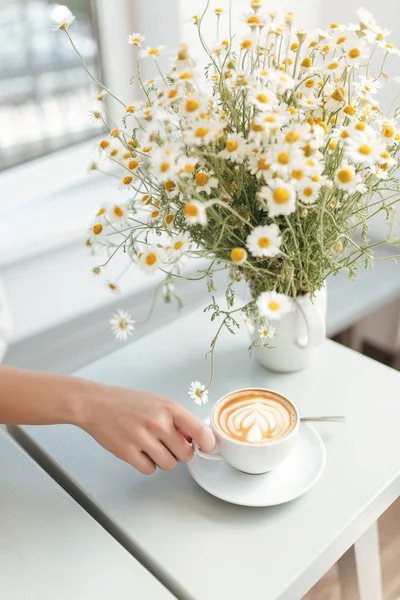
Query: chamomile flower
[
  {"x": 122, "y": 325},
  {"x": 264, "y": 241},
  {"x": 202, "y": 132},
  {"x": 179, "y": 245},
  {"x": 308, "y": 192},
  {"x": 136, "y": 39},
  {"x": 255, "y": 20},
  {"x": 186, "y": 166},
  {"x": 347, "y": 179},
  {"x": 154, "y": 51},
  {"x": 238, "y": 256},
  {"x": 163, "y": 163},
  {"x": 195, "y": 212},
  {"x": 354, "y": 50},
  {"x": 280, "y": 197},
  {"x": 235, "y": 148},
  {"x": 192, "y": 106},
  {"x": 364, "y": 151},
  {"x": 118, "y": 213},
  {"x": 133, "y": 109},
  {"x": 171, "y": 189},
  {"x": 267, "y": 331},
  {"x": 205, "y": 182},
  {"x": 273, "y": 305},
  {"x": 126, "y": 182},
  {"x": 198, "y": 393},
  {"x": 98, "y": 231},
  {"x": 260, "y": 166},
  {"x": 151, "y": 259},
  {"x": 263, "y": 98},
  {"x": 63, "y": 17}
]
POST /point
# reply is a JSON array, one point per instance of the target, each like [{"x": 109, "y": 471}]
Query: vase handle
[{"x": 314, "y": 318}]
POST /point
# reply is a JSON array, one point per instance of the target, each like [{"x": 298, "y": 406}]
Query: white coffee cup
[{"x": 249, "y": 457}]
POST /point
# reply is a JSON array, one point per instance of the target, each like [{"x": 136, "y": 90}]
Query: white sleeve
[{"x": 6, "y": 323}]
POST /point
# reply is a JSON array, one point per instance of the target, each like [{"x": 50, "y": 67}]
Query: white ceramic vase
[{"x": 298, "y": 336}]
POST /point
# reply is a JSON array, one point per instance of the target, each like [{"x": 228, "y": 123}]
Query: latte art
[{"x": 255, "y": 416}]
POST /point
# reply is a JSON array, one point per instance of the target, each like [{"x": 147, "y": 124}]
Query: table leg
[{"x": 360, "y": 568}]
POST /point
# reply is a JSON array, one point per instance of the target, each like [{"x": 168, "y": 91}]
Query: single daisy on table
[
  {"x": 151, "y": 259},
  {"x": 264, "y": 241},
  {"x": 235, "y": 148},
  {"x": 198, "y": 393},
  {"x": 280, "y": 197},
  {"x": 273, "y": 305},
  {"x": 122, "y": 325},
  {"x": 267, "y": 331},
  {"x": 205, "y": 182},
  {"x": 195, "y": 213},
  {"x": 136, "y": 39}
]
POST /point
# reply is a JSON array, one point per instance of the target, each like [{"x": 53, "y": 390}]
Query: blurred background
[{"x": 48, "y": 196}]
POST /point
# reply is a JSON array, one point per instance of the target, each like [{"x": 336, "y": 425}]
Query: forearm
[{"x": 29, "y": 398}]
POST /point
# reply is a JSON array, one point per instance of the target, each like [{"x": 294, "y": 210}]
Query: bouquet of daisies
[{"x": 268, "y": 163}]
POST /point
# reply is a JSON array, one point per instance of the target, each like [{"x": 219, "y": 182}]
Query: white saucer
[{"x": 294, "y": 477}]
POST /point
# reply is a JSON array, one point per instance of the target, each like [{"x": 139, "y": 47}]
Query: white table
[
  {"x": 207, "y": 549},
  {"x": 50, "y": 549}
]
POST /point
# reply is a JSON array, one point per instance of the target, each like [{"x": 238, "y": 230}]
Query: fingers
[
  {"x": 178, "y": 445},
  {"x": 195, "y": 428},
  {"x": 141, "y": 462},
  {"x": 156, "y": 450}
]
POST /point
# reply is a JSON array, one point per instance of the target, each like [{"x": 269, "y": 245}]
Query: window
[{"x": 44, "y": 92}]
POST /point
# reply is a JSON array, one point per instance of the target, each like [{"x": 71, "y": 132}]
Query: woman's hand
[{"x": 144, "y": 429}]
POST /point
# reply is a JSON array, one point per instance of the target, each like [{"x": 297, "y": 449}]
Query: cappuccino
[{"x": 255, "y": 416}]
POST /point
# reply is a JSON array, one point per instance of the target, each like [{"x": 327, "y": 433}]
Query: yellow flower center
[
  {"x": 146, "y": 199},
  {"x": 201, "y": 132},
  {"x": 339, "y": 94},
  {"x": 104, "y": 144},
  {"x": 246, "y": 44},
  {"x": 126, "y": 155},
  {"x": 308, "y": 192},
  {"x": 101, "y": 212},
  {"x": 274, "y": 306},
  {"x": 349, "y": 110},
  {"x": 354, "y": 53},
  {"x": 264, "y": 242},
  {"x": 345, "y": 175},
  {"x": 154, "y": 51},
  {"x": 283, "y": 158},
  {"x": 294, "y": 46},
  {"x": 131, "y": 108},
  {"x": 237, "y": 254},
  {"x": 147, "y": 148},
  {"x": 127, "y": 180},
  {"x": 310, "y": 83},
  {"x": 364, "y": 149},
  {"x": 297, "y": 174},
  {"x": 192, "y": 105},
  {"x": 315, "y": 178},
  {"x": 270, "y": 119},
  {"x": 280, "y": 195},
  {"x": 361, "y": 126},
  {"x": 172, "y": 93},
  {"x": 262, "y": 164},
  {"x": 257, "y": 127},
  {"x": 151, "y": 258},
  {"x": 390, "y": 46},
  {"x": 388, "y": 132},
  {"x": 253, "y": 20},
  {"x": 178, "y": 245},
  {"x": 232, "y": 145},
  {"x": 97, "y": 229},
  {"x": 133, "y": 164},
  {"x": 333, "y": 66},
  {"x": 263, "y": 98},
  {"x": 169, "y": 185},
  {"x": 169, "y": 219},
  {"x": 383, "y": 155},
  {"x": 334, "y": 25},
  {"x": 307, "y": 62},
  {"x": 344, "y": 134},
  {"x": 191, "y": 210},
  {"x": 155, "y": 214},
  {"x": 292, "y": 137},
  {"x": 164, "y": 167},
  {"x": 201, "y": 178},
  {"x": 112, "y": 286},
  {"x": 341, "y": 40},
  {"x": 185, "y": 75},
  {"x": 118, "y": 212}
]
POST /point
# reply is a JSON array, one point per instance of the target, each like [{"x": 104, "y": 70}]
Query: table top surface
[
  {"x": 209, "y": 549},
  {"x": 50, "y": 548}
]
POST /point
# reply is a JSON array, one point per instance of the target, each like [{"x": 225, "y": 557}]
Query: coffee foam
[{"x": 255, "y": 416}]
